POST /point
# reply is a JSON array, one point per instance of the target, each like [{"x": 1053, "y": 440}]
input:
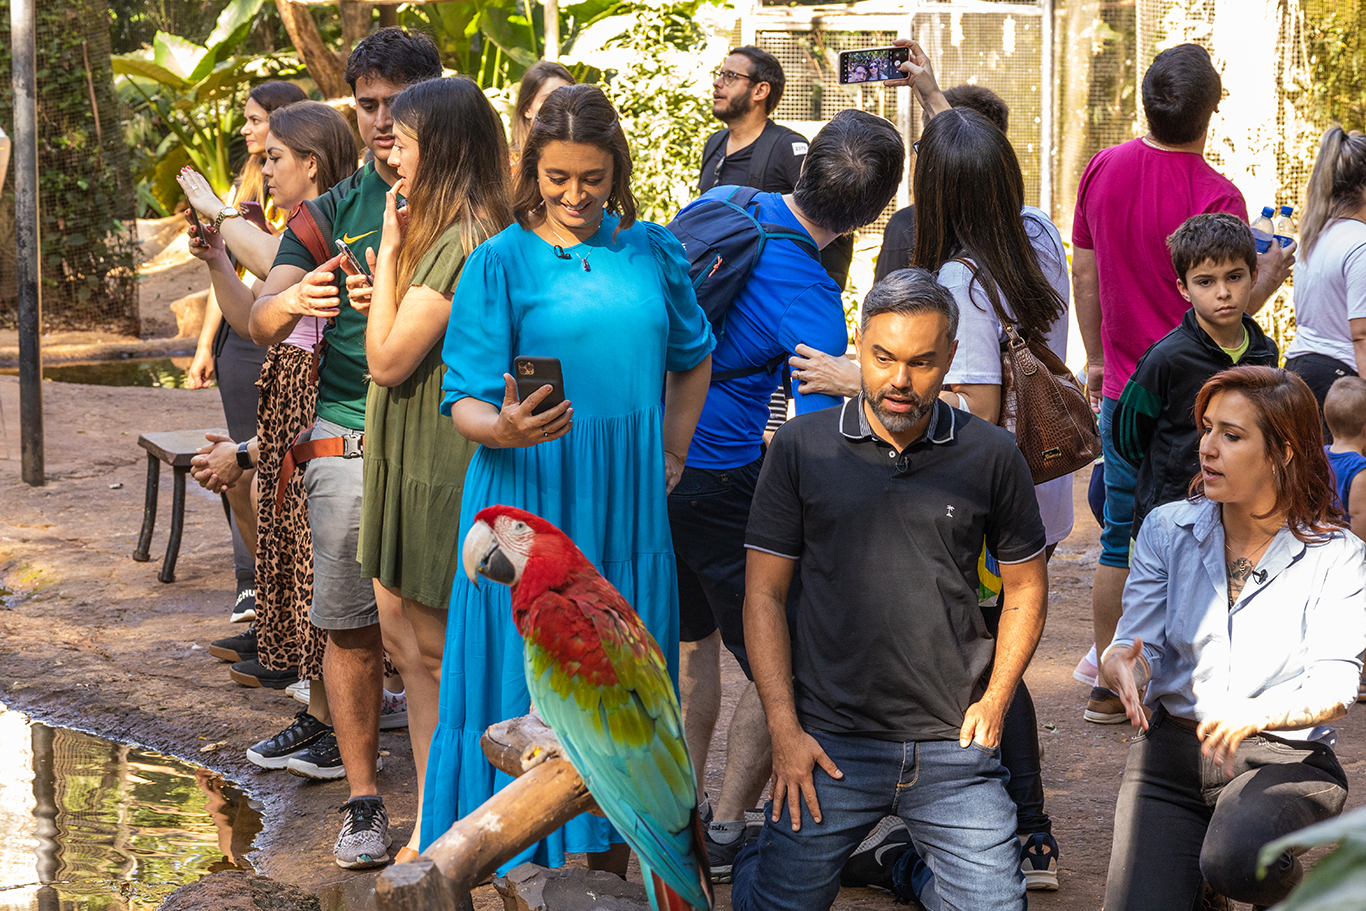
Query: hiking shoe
[
  {"x": 298, "y": 691},
  {"x": 253, "y": 673},
  {"x": 1039, "y": 862},
  {"x": 872, "y": 861},
  {"x": 364, "y": 839},
  {"x": 244, "y": 609},
  {"x": 1104, "y": 707},
  {"x": 274, "y": 752},
  {"x": 322, "y": 760},
  {"x": 393, "y": 711},
  {"x": 235, "y": 648}
]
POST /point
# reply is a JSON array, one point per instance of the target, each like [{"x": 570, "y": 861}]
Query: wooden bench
[{"x": 175, "y": 448}]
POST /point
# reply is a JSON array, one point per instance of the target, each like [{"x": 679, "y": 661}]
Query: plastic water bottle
[
  {"x": 1263, "y": 231},
  {"x": 1284, "y": 227}
]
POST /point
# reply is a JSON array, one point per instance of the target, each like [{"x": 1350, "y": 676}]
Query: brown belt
[
  {"x": 1186, "y": 723},
  {"x": 349, "y": 446}
]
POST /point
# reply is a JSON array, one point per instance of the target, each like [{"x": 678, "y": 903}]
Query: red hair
[{"x": 1288, "y": 417}]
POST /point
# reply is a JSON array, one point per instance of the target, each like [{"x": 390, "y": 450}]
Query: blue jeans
[
  {"x": 1121, "y": 478},
  {"x": 952, "y": 799}
]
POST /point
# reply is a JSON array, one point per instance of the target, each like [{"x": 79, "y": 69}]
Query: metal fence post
[{"x": 27, "y": 274}]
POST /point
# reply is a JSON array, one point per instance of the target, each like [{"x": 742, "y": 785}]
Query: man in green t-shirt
[{"x": 298, "y": 285}]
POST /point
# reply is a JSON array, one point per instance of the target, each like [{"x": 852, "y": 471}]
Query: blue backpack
[{"x": 723, "y": 241}]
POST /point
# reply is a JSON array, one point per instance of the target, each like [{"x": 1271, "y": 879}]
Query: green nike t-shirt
[{"x": 355, "y": 207}]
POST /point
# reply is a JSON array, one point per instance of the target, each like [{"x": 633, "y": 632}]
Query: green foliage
[
  {"x": 1338, "y": 881},
  {"x": 1334, "y": 86},
  {"x": 85, "y": 199},
  {"x": 187, "y": 103},
  {"x": 494, "y": 41},
  {"x": 663, "y": 100}
]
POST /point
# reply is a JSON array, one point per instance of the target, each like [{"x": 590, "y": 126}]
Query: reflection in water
[
  {"x": 164, "y": 372},
  {"x": 90, "y": 824}
]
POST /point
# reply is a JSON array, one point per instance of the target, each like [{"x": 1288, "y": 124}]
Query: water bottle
[
  {"x": 1263, "y": 231},
  {"x": 1284, "y": 227}
]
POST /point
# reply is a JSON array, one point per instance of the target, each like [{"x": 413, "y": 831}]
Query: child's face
[{"x": 1219, "y": 291}]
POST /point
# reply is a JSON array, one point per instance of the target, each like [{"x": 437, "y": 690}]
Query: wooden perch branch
[{"x": 546, "y": 794}]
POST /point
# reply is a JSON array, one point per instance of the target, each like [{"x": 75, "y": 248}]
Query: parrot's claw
[{"x": 534, "y": 755}]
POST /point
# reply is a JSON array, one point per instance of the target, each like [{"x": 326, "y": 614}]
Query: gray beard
[{"x": 896, "y": 422}]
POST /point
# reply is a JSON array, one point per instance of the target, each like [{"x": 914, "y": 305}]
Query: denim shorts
[{"x": 1121, "y": 478}]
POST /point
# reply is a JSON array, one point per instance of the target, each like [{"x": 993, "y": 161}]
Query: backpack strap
[
  {"x": 307, "y": 225},
  {"x": 743, "y": 198},
  {"x": 715, "y": 143},
  {"x": 763, "y": 154}
]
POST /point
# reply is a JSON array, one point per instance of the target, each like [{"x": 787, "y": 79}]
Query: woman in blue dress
[{"x": 579, "y": 279}]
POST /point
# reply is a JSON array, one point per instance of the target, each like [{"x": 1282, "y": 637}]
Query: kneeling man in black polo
[{"x": 887, "y": 698}]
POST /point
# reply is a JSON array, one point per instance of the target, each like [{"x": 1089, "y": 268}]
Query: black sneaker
[
  {"x": 244, "y": 608},
  {"x": 1039, "y": 862},
  {"x": 274, "y": 752},
  {"x": 721, "y": 857},
  {"x": 871, "y": 863},
  {"x": 241, "y": 647},
  {"x": 364, "y": 838},
  {"x": 322, "y": 761},
  {"x": 253, "y": 673}
]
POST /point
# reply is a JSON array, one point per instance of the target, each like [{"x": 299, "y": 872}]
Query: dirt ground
[{"x": 91, "y": 639}]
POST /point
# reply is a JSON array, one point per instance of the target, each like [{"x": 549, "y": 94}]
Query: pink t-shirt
[
  {"x": 307, "y": 332},
  {"x": 1132, "y": 197}
]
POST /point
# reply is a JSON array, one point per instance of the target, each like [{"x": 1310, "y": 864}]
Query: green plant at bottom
[{"x": 1338, "y": 881}]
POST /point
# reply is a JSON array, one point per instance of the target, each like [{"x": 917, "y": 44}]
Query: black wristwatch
[{"x": 244, "y": 457}]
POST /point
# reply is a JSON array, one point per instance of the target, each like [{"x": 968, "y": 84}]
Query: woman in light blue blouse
[
  {"x": 578, "y": 279},
  {"x": 1245, "y": 616}
]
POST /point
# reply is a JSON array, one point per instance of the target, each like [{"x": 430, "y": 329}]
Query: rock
[
  {"x": 529, "y": 887},
  {"x": 355, "y": 893},
  {"x": 235, "y": 891},
  {"x": 189, "y": 314}
]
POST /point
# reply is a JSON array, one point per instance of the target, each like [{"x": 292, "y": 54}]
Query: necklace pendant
[{"x": 586, "y": 267}]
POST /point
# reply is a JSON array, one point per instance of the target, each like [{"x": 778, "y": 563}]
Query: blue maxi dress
[{"x": 616, "y": 330}]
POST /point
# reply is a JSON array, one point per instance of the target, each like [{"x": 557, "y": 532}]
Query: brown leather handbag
[{"x": 1041, "y": 402}]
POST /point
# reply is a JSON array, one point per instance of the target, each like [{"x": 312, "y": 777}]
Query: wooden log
[{"x": 417, "y": 886}]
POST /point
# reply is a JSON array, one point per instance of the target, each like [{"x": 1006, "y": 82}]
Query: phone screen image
[{"x": 876, "y": 64}]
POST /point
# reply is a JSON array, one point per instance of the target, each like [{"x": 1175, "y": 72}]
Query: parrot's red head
[{"x": 511, "y": 546}]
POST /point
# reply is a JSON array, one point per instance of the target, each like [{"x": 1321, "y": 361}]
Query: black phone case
[{"x": 534, "y": 372}]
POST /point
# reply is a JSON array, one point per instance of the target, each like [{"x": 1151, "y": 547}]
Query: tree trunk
[
  {"x": 355, "y": 20},
  {"x": 323, "y": 65}
]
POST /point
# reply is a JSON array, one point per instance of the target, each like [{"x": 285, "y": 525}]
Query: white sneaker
[
  {"x": 393, "y": 711},
  {"x": 299, "y": 691}
]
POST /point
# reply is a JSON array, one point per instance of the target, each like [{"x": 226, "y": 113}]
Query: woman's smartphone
[
  {"x": 350, "y": 264},
  {"x": 534, "y": 372},
  {"x": 874, "y": 64},
  {"x": 193, "y": 218}
]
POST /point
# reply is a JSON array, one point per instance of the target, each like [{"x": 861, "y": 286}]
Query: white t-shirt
[
  {"x": 1330, "y": 289},
  {"x": 978, "y": 360}
]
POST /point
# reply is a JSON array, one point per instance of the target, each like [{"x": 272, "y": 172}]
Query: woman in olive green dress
[{"x": 450, "y": 152}]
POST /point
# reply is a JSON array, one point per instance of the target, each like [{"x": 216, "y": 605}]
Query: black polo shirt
[{"x": 888, "y": 638}]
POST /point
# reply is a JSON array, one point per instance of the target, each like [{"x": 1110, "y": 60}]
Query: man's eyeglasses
[{"x": 729, "y": 76}]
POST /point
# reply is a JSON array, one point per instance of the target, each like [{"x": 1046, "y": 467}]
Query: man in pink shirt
[{"x": 1131, "y": 198}]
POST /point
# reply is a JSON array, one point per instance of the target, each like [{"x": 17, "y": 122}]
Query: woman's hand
[
  {"x": 316, "y": 293},
  {"x": 206, "y": 244},
  {"x": 215, "y": 467},
  {"x": 395, "y": 219},
  {"x": 818, "y": 372},
  {"x": 518, "y": 427},
  {"x": 1220, "y": 736},
  {"x": 359, "y": 289},
  {"x": 673, "y": 471},
  {"x": 201, "y": 371},
  {"x": 200, "y": 195},
  {"x": 1119, "y": 665},
  {"x": 920, "y": 75}
]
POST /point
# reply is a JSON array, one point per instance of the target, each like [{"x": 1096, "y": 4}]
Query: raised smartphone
[
  {"x": 350, "y": 263},
  {"x": 534, "y": 372},
  {"x": 874, "y": 64}
]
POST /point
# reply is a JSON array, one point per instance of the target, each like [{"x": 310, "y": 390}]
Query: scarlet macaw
[{"x": 598, "y": 678}]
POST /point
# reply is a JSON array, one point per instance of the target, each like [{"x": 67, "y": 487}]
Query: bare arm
[
  {"x": 1086, "y": 298},
  {"x": 983, "y": 399},
  {"x": 1025, "y": 589},
  {"x": 1358, "y": 330},
  {"x": 289, "y": 293},
  {"x": 253, "y": 247},
  {"x": 818, "y": 372},
  {"x": 920, "y": 74},
  {"x": 202, "y": 367},
  {"x": 795, "y": 752},
  {"x": 1273, "y": 268},
  {"x": 234, "y": 298},
  {"x": 685, "y": 392},
  {"x": 512, "y": 425}
]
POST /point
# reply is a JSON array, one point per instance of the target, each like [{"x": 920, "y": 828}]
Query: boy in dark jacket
[{"x": 1154, "y": 425}]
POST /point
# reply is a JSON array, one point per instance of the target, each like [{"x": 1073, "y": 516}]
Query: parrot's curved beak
[{"x": 482, "y": 556}]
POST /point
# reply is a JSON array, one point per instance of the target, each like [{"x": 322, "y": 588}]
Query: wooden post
[
  {"x": 28, "y": 274},
  {"x": 415, "y": 886},
  {"x": 546, "y": 794}
]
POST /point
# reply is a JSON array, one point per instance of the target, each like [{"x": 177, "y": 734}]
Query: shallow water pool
[
  {"x": 159, "y": 372},
  {"x": 87, "y": 823}
]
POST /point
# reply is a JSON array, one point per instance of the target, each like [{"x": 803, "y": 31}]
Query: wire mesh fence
[{"x": 86, "y": 198}]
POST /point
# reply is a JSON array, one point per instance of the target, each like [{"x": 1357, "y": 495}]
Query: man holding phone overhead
[{"x": 305, "y": 281}]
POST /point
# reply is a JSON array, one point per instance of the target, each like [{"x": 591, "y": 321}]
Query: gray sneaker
[{"x": 364, "y": 839}]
